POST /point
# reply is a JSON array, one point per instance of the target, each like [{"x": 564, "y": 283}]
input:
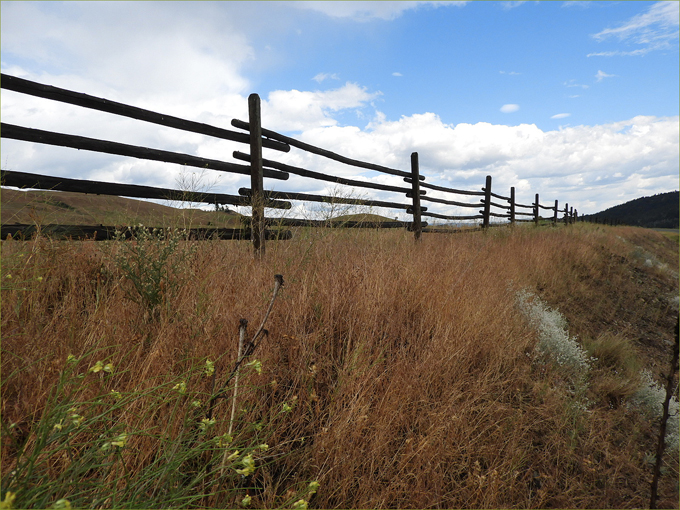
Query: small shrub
[
  {"x": 554, "y": 340},
  {"x": 649, "y": 399},
  {"x": 616, "y": 353},
  {"x": 153, "y": 261}
]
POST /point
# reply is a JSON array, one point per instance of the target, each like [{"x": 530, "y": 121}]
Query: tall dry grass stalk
[{"x": 396, "y": 374}]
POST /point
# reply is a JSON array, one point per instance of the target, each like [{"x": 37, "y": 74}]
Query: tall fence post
[
  {"x": 536, "y": 215},
  {"x": 487, "y": 202},
  {"x": 555, "y": 216},
  {"x": 571, "y": 215},
  {"x": 256, "y": 178},
  {"x": 512, "y": 204},
  {"x": 566, "y": 214},
  {"x": 415, "y": 191},
  {"x": 575, "y": 216}
]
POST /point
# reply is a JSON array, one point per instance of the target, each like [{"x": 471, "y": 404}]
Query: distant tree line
[{"x": 659, "y": 211}]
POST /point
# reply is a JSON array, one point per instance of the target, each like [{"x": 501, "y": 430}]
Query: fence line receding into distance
[{"x": 490, "y": 204}]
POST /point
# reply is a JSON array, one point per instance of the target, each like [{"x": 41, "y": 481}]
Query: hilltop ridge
[
  {"x": 658, "y": 211},
  {"x": 67, "y": 208}
]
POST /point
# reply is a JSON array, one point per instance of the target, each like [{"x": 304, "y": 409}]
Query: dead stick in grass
[
  {"x": 662, "y": 432},
  {"x": 241, "y": 338},
  {"x": 242, "y": 355},
  {"x": 249, "y": 349}
]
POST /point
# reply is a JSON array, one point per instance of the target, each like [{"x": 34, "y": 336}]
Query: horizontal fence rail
[
  {"x": 305, "y": 197},
  {"x": 322, "y": 177},
  {"x": 321, "y": 152},
  {"x": 447, "y": 190},
  {"x": 46, "y": 182},
  {"x": 13, "y": 132},
  {"x": 104, "y": 105},
  {"x": 490, "y": 205},
  {"x": 107, "y": 233}
]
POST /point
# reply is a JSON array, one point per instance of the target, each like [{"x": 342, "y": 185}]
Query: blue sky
[
  {"x": 577, "y": 101},
  {"x": 465, "y": 62}
]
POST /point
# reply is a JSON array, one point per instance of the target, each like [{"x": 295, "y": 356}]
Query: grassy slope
[
  {"x": 83, "y": 209},
  {"x": 411, "y": 370}
]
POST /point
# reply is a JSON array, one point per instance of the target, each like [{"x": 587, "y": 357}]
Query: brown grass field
[
  {"x": 395, "y": 374},
  {"x": 66, "y": 208}
]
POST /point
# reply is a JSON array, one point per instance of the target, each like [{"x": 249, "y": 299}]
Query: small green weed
[
  {"x": 153, "y": 261},
  {"x": 85, "y": 449}
]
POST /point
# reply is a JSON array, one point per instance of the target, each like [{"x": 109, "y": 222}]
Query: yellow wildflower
[
  {"x": 248, "y": 465},
  {"x": 209, "y": 368},
  {"x": 256, "y": 364},
  {"x": 205, "y": 423},
  {"x": 120, "y": 441},
  {"x": 8, "y": 501},
  {"x": 224, "y": 440},
  {"x": 98, "y": 366},
  {"x": 181, "y": 387},
  {"x": 232, "y": 456},
  {"x": 76, "y": 419}
]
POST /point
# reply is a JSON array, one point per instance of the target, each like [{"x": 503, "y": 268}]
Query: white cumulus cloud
[
  {"x": 112, "y": 50},
  {"x": 590, "y": 167},
  {"x": 296, "y": 110},
  {"x": 509, "y": 108}
]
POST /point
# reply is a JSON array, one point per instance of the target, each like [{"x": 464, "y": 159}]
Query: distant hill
[
  {"x": 658, "y": 211},
  {"x": 367, "y": 218},
  {"x": 65, "y": 208}
]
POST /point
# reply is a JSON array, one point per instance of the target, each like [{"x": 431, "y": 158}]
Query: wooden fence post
[
  {"x": 575, "y": 216},
  {"x": 571, "y": 215},
  {"x": 536, "y": 215},
  {"x": 555, "y": 216},
  {"x": 256, "y": 178},
  {"x": 512, "y": 204},
  {"x": 566, "y": 214},
  {"x": 415, "y": 191},
  {"x": 487, "y": 202}
]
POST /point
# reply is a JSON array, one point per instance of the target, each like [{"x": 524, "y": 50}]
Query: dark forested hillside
[{"x": 658, "y": 211}]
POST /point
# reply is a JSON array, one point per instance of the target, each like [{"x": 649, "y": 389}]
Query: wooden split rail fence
[{"x": 256, "y": 196}]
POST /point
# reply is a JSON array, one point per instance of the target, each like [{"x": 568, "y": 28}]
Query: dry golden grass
[
  {"x": 410, "y": 368},
  {"x": 69, "y": 208}
]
